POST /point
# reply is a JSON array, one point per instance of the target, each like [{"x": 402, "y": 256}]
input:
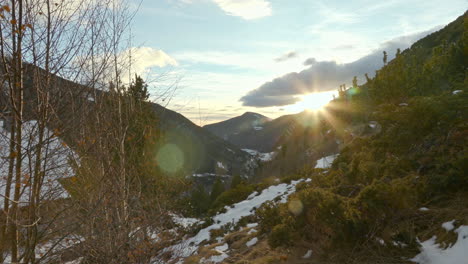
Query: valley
[{"x": 99, "y": 168}]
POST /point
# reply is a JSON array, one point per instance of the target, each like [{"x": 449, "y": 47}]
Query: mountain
[
  {"x": 229, "y": 128},
  {"x": 266, "y": 137},
  {"x": 253, "y": 131},
  {"x": 395, "y": 193},
  {"x": 203, "y": 151}
]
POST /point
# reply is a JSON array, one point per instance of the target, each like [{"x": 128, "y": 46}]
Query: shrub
[
  {"x": 269, "y": 216},
  {"x": 281, "y": 235},
  {"x": 231, "y": 196}
]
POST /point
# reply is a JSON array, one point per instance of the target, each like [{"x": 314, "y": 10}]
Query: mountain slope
[
  {"x": 397, "y": 191},
  {"x": 252, "y": 131},
  {"x": 203, "y": 151},
  {"x": 231, "y": 127}
]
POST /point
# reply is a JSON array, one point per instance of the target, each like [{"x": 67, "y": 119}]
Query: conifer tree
[
  {"x": 218, "y": 188},
  {"x": 236, "y": 180},
  {"x": 200, "y": 200},
  {"x": 139, "y": 89}
]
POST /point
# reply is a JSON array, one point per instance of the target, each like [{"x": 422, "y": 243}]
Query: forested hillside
[
  {"x": 93, "y": 171},
  {"x": 400, "y": 176}
]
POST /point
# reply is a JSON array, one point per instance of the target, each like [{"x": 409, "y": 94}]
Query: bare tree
[{"x": 46, "y": 49}]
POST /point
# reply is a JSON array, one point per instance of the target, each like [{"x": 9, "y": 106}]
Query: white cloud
[
  {"x": 144, "y": 58},
  {"x": 247, "y": 9}
]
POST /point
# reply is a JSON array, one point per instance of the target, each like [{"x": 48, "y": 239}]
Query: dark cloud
[
  {"x": 323, "y": 75},
  {"x": 310, "y": 61},
  {"x": 287, "y": 56}
]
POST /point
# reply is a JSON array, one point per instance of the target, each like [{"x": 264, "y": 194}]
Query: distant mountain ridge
[
  {"x": 203, "y": 152},
  {"x": 236, "y": 125},
  {"x": 265, "y": 137}
]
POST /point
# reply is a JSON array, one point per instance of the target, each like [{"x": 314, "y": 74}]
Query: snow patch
[
  {"x": 308, "y": 254},
  {"x": 457, "y": 91},
  {"x": 432, "y": 253},
  {"x": 448, "y": 226},
  {"x": 221, "y": 250},
  {"x": 55, "y": 156},
  {"x": 234, "y": 214},
  {"x": 326, "y": 162},
  {"x": 252, "y": 242},
  {"x": 423, "y": 209},
  {"x": 209, "y": 175},
  {"x": 264, "y": 157},
  {"x": 252, "y": 225},
  {"x": 185, "y": 221},
  {"x": 221, "y": 165}
]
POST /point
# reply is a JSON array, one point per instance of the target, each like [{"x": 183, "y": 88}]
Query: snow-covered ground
[
  {"x": 251, "y": 242},
  {"x": 221, "y": 250},
  {"x": 45, "y": 252},
  {"x": 221, "y": 165},
  {"x": 433, "y": 253},
  {"x": 325, "y": 162},
  {"x": 54, "y": 162},
  {"x": 233, "y": 214},
  {"x": 185, "y": 221},
  {"x": 208, "y": 174},
  {"x": 264, "y": 157}
]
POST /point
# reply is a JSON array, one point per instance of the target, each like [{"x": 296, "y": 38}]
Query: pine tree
[
  {"x": 218, "y": 188},
  {"x": 236, "y": 180},
  {"x": 200, "y": 200},
  {"x": 139, "y": 89}
]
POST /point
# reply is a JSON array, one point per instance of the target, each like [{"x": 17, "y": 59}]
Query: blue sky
[{"x": 216, "y": 52}]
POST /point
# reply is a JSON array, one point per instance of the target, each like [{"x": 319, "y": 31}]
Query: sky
[{"x": 211, "y": 60}]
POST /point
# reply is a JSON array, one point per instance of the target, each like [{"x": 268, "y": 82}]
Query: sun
[{"x": 313, "y": 101}]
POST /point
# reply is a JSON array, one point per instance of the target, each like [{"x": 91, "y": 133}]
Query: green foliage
[
  {"x": 138, "y": 89},
  {"x": 419, "y": 154},
  {"x": 433, "y": 65},
  {"x": 231, "y": 196},
  {"x": 281, "y": 235},
  {"x": 236, "y": 180},
  {"x": 218, "y": 188},
  {"x": 200, "y": 201},
  {"x": 269, "y": 216}
]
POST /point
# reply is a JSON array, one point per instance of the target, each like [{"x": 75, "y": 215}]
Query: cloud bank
[
  {"x": 246, "y": 9},
  {"x": 324, "y": 75}
]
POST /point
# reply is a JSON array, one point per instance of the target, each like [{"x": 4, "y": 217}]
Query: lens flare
[
  {"x": 170, "y": 158},
  {"x": 295, "y": 207},
  {"x": 313, "y": 101}
]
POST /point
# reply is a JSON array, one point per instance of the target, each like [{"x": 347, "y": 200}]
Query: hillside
[
  {"x": 242, "y": 130},
  {"x": 263, "y": 138},
  {"x": 203, "y": 152},
  {"x": 93, "y": 172},
  {"x": 395, "y": 193}
]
